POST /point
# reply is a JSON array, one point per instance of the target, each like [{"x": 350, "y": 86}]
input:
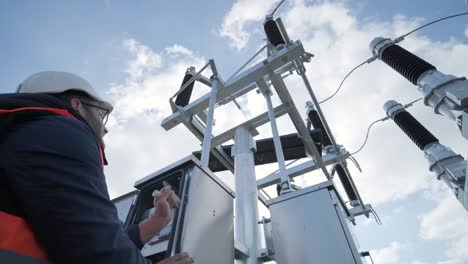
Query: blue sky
[{"x": 135, "y": 54}]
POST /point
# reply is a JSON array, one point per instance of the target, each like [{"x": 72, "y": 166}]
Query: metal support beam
[
  {"x": 296, "y": 118},
  {"x": 285, "y": 183},
  {"x": 205, "y": 157},
  {"x": 251, "y": 124},
  {"x": 302, "y": 169},
  {"x": 280, "y": 62},
  {"x": 196, "y": 128}
]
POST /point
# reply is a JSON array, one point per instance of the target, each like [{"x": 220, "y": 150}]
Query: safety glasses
[{"x": 103, "y": 113}]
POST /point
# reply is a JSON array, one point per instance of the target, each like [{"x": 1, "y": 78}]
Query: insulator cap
[
  {"x": 183, "y": 98},
  {"x": 273, "y": 33},
  {"x": 414, "y": 130},
  {"x": 316, "y": 122},
  {"x": 379, "y": 44},
  {"x": 392, "y": 108},
  {"x": 345, "y": 182},
  {"x": 405, "y": 62}
]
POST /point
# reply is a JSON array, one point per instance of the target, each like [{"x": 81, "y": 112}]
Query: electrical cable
[
  {"x": 367, "y": 135},
  {"x": 347, "y": 75},
  {"x": 412, "y": 103},
  {"x": 356, "y": 163},
  {"x": 397, "y": 40},
  {"x": 376, "y": 216},
  {"x": 402, "y": 37},
  {"x": 381, "y": 120},
  {"x": 248, "y": 61},
  {"x": 276, "y": 8}
]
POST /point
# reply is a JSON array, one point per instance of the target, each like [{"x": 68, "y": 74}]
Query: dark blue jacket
[{"x": 51, "y": 175}]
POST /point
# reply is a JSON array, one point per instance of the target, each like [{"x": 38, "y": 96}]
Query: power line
[
  {"x": 347, "y": 75},
  {"x": 367, "y": 135},
  {"x": 397, "y": 40},
  {"x": 402, "y": 37},
  {"x": 381, "y": 120},
  {"x": 276, "y": 8}
]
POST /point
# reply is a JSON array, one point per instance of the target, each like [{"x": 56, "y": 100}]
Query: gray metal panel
[
  {"x": 208, "y": 225},
  {"x": 123, "y": 204},
  {"x": 174, "y": 166},
  {"x": 182, "y": 163},
  {"x": 307, "y": 229}
]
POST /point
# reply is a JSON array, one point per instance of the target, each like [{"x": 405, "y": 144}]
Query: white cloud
[
  {"x": 390, "y": 254},
  {"x": 177, "y": 49},
  {"x": 145, "y": 60},
  {"x": 137, "y": 145},
  {"x": 448, "y": 221},
  {"x": 240, "y": 16},
  {"x": 340, "y": 43},
  {"x": 393, "y": 166}
]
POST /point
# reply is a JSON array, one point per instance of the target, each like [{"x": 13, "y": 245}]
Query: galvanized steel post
[{"x": 246, "y": 209}]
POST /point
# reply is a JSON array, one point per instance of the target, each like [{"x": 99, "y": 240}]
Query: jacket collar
[{"x": 22, "y": 100}]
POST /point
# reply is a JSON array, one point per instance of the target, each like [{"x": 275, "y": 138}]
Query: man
[{"x": 54, "y": 203}]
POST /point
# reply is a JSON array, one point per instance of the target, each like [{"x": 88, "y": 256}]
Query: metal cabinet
[{"x": 203, "y": 226}]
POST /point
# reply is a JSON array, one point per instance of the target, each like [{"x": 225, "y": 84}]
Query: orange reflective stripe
[
  {"x": 54, "y": 110},
  {"x": 17, "y": 236}
]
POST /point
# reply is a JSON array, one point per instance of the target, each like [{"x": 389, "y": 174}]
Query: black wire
[
  {"x": 276, "y": 8},
  {"x": 430, "y": 23},
  {"x": 371, "y": 259},
  {"x": 339, "y": 87}
]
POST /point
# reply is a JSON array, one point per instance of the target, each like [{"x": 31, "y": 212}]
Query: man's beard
[{"x": 96, "y": 125}]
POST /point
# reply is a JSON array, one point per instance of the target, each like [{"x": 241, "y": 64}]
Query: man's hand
[
  {"x": 181, "y": 258},
  {"x": 164, "y": 203}
]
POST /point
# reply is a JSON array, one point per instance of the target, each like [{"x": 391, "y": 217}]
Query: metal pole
[
  {"x": 285, "y": 182},
  {"x": 246, "y": 209},
  {"x": 205, "y": 157},
  {"x": 316, "y": 104}
]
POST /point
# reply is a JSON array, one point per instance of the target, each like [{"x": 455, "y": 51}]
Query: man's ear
[{"x": 75, "y": 103}]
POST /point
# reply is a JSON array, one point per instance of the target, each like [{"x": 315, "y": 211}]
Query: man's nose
[{"x": 105, "y": 130}]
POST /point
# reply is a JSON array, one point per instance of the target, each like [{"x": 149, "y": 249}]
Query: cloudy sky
[{"x": 135, "y": 53}]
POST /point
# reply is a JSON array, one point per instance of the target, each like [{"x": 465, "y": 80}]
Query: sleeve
[
  {"x": 133, "y": 232},
  {"x": 55, "y": 172}
]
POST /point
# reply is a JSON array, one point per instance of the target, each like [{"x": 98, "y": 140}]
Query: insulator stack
[
  {"x": 345, "y": 182},
  {"x": 316, "y": 122},
  {"x": 183, "y": 98},
  {"x": 405, "y": 62},
  {"x": 273, "y": 32},
  {"x": 414, "y": 130}
]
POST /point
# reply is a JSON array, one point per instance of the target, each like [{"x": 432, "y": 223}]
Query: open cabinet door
[{"x": 203, "y": 226}]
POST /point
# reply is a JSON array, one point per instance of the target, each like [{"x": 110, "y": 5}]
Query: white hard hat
[{"x": 53, "y": 82}]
